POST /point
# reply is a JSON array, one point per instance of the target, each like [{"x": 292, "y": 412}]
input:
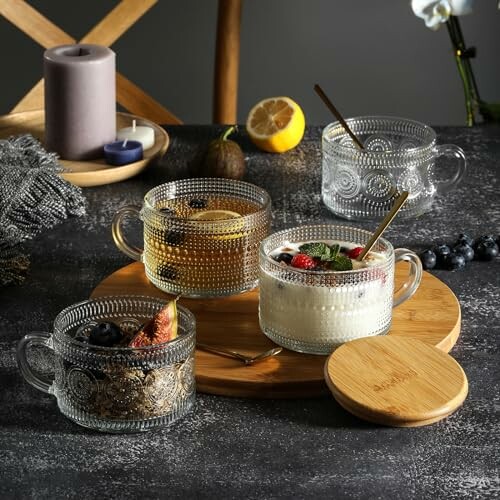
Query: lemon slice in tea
[{"x": 228, "y": 231}]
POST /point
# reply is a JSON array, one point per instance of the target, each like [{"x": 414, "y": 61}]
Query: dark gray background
[{"x": 372, "y": 57}]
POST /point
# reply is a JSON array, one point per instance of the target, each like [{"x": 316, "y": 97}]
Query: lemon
[
  {"x": 210, "y": 215},
  {"x": 276, "y": 124},
  {"x": 229, "y": 231}
]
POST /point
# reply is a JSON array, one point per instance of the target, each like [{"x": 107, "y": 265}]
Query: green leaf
[
  {"x": 334, "y": 251},
  {"x": 341, "y": 263},
  {"x": 315, "y": 249}
]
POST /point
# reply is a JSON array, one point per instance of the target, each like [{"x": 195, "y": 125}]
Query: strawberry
[
  {"x": 354, "y": 253},
  {"x": 303, "y": 261}
]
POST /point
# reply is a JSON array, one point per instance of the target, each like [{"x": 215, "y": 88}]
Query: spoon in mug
[
  {"x": 383, "y": 225},
  {"x": 248, "y": 360}
]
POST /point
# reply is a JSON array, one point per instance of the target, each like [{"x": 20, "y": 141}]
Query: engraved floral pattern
[
  {"x": 82, "y": 385},
  {"x": 347, "y": 182},
  {"x": 378, "y": 185}
]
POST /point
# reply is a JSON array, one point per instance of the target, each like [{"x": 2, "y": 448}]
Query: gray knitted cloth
[{"x": 33, "y": 198}]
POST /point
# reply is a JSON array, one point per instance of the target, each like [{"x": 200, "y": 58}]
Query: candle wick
[
  {"x": 124, "y": 143},
  {"x": 133, "y": 125}
]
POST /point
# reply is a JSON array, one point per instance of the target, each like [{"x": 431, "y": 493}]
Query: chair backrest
[{"x": 109, "y": 29}]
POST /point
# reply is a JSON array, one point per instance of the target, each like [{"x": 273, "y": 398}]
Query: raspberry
[
  {"x": 354, "y": 253},
  {"x": 303, "y": 261}
]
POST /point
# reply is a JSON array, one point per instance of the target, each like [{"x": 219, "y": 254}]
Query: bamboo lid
[{"x": 395, "y": 381}]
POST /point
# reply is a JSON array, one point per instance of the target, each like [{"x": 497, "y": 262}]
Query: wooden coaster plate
[
  {"x": 431, "y": 315},
  {"x": 93, "y": 172}
]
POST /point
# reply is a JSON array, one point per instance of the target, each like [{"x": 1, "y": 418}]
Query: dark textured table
[{"x": 239, "y": 448}]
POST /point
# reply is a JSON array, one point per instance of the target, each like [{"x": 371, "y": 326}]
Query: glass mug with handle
[
  {"x": 201, "y": 236},
  {"x": 316, "y": 311},
  {"x": 399, "y": 155},
  {"x": 116, "y": 389}
]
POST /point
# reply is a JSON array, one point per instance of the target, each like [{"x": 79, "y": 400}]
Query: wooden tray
[
  {"x": 431, "y": 315},
  {"x": 94, "y": 172}
]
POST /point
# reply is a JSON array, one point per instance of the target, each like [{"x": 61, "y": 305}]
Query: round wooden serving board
[
  {"x": 431, "y": 315},
  {"x": 400, "y": 382},
  {"x": 91, "y": 172}
]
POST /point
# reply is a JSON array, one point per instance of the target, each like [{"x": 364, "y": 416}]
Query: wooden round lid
[{"x": 395, "y": 381}]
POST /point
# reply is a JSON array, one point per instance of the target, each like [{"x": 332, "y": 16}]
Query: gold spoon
[
  {"x": 248, "y": 360},
  {"x": 383, "y": 225},
  {"x": 336, "y": 113}
]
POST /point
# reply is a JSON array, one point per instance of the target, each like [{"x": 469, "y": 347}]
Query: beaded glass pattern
[{"x": 399, "y": 155}]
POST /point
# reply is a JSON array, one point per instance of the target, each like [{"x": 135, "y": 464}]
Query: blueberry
[
  {"x": 454, "y": 262},
  {"x": 484, "y": 239},
  {"x": 486, "y": 250},
  {"x": 466, "y": 250},
  {"x": 441, "y": 251},
  {"x": 173, "y": 238},
  {"x": 465, "y": 239},
  {"x": 428, "y": 259},
  {"x": 198, "y": 203},
  {"x": 105, "y": 334},
  {"x": 167, "y": 272},
  {"x": 284, "y": 257}
]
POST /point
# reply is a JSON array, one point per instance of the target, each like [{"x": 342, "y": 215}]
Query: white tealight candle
[{"x": 144, "y": 135}]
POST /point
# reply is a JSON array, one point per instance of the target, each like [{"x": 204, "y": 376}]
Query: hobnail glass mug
[
  {"x": 314, "y": 312},
  {"x": 116, "y": 389},
  {"x": 186, "y": 254},
  {"x": 399, "y": 155}
]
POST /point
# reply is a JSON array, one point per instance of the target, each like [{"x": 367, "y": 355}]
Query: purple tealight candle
[{"x": 123, "y": 152}]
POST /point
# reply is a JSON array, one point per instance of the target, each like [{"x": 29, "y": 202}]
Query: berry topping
[
  {"x": 466, "y": 250},
  {"x": 355, "y": 252},
  {"x": 303, "y": 261},
  {"x": 454, "y": 261},
  {"x": 428, "y": 259},
  {"x": 465, "y": 238},
  {"x": 166, "y": 272},
  {"x": 173, "y": 238},
  {"x": 105, "y": 334},
  {"x": 486, "y": 250},
  {"x": 284, "y": 257},
  {"x": 198, "y": 203}
]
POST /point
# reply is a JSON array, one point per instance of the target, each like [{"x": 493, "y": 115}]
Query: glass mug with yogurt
[
  {"x": 399, "y": 155},
  {"x": 201, "y": 236},
  {"x": 314, "y": 311}
]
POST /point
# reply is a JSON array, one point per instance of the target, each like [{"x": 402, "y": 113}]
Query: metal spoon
[
  {"x": 248, "y": 360},
  {"x": 383, "y": 225}
]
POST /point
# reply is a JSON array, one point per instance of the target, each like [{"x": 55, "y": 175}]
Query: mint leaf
[
  {"x": 341, "y": 263},
  {"x": 315, "y": 249},
  {"x": 334, "y": 251}
]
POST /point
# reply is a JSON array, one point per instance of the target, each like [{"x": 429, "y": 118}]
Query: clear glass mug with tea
[
  {"x": 399, "y": 155},
  {"x": 201, "y": 236}
]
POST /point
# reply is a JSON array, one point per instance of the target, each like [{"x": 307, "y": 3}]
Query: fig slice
[{"x": 159, "y": 329}]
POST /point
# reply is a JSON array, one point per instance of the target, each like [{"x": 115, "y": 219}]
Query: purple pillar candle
[{"x": 80, "y": 100}]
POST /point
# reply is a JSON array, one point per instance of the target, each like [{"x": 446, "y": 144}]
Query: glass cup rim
[
  {"x": 59, "y": 334},
  {"x": 328, "y": 272},
  {"x": 211, "y": 223},
  {"x": 429, "y": 142}
]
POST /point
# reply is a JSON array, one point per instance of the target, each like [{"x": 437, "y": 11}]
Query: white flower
[{"x": 436, "y": 12}]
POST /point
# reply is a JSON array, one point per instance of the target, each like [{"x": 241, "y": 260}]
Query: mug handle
[
  {"x": 35, "y": 338},
  {"x": 409, "y": 287},
  {"x": 116, "y": 228},
  {"x": 456, "y": 152}
]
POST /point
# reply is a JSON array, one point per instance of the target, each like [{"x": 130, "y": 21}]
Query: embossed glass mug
[
  {"x": 188, "y": 252},
  {"x": 399, "y": 155},
  {"x": 316, "y": 311},
  {"x": 116, "y": 389}
]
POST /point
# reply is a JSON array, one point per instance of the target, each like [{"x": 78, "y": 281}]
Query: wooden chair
[{"x": 110, "y": 28}]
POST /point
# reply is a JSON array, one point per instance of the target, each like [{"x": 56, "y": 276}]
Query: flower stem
[{"x": 471, "y": 93}]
